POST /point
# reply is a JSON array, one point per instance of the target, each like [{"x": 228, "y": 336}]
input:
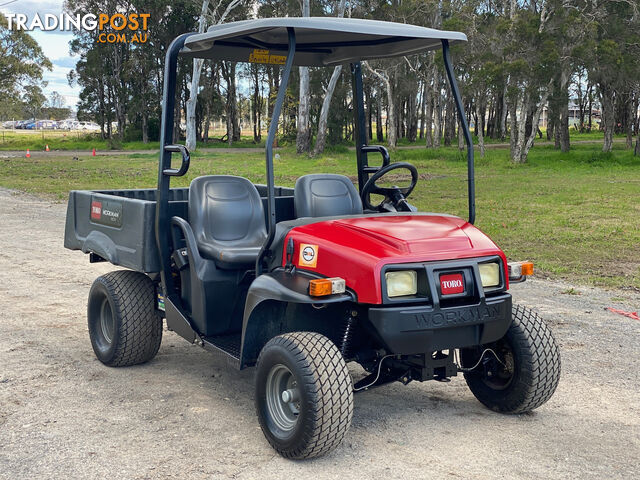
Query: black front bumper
[{"x": 423, "y": 328}]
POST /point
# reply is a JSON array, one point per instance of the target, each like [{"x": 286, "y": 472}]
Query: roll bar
[
  {"x": 471, "y": 185},
  {"x": 360, "y": 136},
  {"x": 271, "y": 136}
]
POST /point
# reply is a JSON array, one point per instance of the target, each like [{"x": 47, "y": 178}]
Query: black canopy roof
[{"x": 320, "y": 41}]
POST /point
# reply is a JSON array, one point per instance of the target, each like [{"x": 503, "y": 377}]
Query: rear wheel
[
  {"x": 520, "y": 371},
  {"x": 123, "y": 324},
  {"x": 304, "y": 394}
]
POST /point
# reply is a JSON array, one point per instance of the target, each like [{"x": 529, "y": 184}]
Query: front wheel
[
  {"x": 304, "y": 394},
  {"x": 520, "y": 371}
]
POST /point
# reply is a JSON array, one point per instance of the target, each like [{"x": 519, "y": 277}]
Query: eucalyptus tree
[
  {"x": 22, "y": 63},
  {"x": 211, "y": 13},
  {"x": 328, "y": 95}
]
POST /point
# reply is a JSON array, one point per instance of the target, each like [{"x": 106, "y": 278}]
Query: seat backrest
[
  {"x": 224, "y": 209},
  {"x": 323, "y": 195}
]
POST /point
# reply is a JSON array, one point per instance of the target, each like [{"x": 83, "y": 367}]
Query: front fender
[{"x": 267, "y": 299}]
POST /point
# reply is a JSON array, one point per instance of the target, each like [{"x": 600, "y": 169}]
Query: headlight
[
  {"x": 401, "y": 283},
  {"x": 489, "y": 274}
]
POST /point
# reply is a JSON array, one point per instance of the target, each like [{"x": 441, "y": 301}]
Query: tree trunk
[
  {"x": 324, "y": 111},
  {"x": 518, "y": 126},
  {"x": 207, "y": 122},
  {"x": 257, "y": 104},
  {"x": 392, "y": 139},
  {"x": 379, "y": 131},
  {"x": 437, "y": 107},
  {"x": 480, "y": 111},
  {"x": 303, "y": 137},
  {"x": 631, "y": 107},
  {"x": 503, "y": 116},
  {"x": 449, "y": 122},
  {"x": 412, "y": 119},
  {"x": 563, "y": 126},
  {"x": 608, "y": 98},
  {"x": 520, "y": 149},
  {"x": 231, "y": 105},
  {"x": 195, "y": 83},
  {"x": 193, "y": 99},
  {"x": 423, "y": 105},
  {"x": 328, "y": 95},
  {"x": 145, "y": 127},
  {"x": 428, "y": 118},
  {"x": 197, "y": 68},
  {"x": 391, "y": 114}
]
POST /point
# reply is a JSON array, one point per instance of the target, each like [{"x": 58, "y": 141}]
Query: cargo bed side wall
[{"x": 133, "y": 243}]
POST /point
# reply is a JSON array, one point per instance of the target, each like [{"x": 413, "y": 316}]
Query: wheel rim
[
  {"x": 498, "y": 372},
  {"x": 283, "y": 402},
  {"x": 107, "y": 322}
]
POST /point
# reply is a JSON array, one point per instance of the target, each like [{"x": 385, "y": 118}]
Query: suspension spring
[{"x": 348, "y": 333}]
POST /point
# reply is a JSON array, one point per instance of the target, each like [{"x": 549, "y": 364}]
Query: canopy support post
[
  {"x": 360, "y": 130},
  {"x": 166, "y": 138},
  {"x": 271, "y": 136},
  {"x": 471, "y": 188}
]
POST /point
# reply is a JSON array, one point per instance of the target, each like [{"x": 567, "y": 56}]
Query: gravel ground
[{"x": 185, "y": 415}]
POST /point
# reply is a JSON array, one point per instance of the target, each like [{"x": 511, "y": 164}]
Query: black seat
[
  {"x": 324, "y": 195},
  {"x": 227, "y": 219}
]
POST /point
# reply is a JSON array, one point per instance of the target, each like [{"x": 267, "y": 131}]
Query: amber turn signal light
[
  {"x": 518, "y": 270},
  {"x": 321, "y": 287},
  {"x": 526, "y": 268}
]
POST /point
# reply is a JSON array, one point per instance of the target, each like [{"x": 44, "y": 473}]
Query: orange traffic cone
[
  {"x": 46, "y": 149},
  {"x": 28, "y": 155},
  {"x": 94, "y": 152}
]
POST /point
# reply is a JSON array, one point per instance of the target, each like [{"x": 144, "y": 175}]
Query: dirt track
[{"x": 184, "y": 415}]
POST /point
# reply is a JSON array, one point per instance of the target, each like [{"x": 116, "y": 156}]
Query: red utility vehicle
[{"x": 300, "y": 282}]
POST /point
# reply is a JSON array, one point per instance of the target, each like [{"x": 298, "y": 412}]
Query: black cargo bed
[{"x": 119, "y": 225}]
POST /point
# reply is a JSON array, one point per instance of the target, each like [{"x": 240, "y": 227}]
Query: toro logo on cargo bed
[
  {"x": 106, "y": 213},
  {"x": 96, "y": 210}
]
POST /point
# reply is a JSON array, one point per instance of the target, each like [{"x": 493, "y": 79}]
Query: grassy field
[
  {"x": 576, "y": 215},
  {"x": 77, "y": 140}
]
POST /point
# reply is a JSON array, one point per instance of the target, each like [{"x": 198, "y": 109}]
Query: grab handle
[
  {"x": 172, "y": 172},
  {"x": 376, "y": 149}
]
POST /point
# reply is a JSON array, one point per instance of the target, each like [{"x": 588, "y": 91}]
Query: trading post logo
[{"x": 116, "y": 28}]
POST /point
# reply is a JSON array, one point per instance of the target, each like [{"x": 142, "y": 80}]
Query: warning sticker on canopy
[{"x": 264, "y": 56}]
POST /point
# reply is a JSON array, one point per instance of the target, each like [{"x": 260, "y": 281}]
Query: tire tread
[
  {"x": 140, "y": 332},
  {"x": 328, "y": 380}
]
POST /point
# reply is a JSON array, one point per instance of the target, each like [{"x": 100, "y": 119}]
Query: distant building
[{"x": 574, "y": 114}]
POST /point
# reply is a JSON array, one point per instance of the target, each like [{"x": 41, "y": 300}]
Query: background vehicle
[
  {"x": 46, "y": 125},
  {"x": 90, "y": 126},
  {"x": 298, "y": 282},
  {"x": 69, "y": 124}
]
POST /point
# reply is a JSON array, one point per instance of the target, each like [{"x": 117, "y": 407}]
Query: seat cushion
[
  {"x": 227, "y": 218},
  {"x": 323, "y": 195}
]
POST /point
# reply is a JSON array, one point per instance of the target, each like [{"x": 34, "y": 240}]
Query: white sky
[{"x": 54, "y": 44}]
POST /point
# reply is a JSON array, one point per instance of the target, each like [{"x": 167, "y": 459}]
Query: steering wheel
[{"x": 394, "y": 195}]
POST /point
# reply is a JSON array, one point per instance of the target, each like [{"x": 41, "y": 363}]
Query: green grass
[
  {"x": 574, "y": 214},
  {"x": 78, "y": 141}
]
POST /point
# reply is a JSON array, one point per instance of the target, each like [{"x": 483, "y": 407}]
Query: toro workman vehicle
[{"x": 299, "y": 282}]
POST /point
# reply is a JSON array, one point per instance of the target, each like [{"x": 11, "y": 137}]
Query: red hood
[{"x": 357, "y": 248}]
